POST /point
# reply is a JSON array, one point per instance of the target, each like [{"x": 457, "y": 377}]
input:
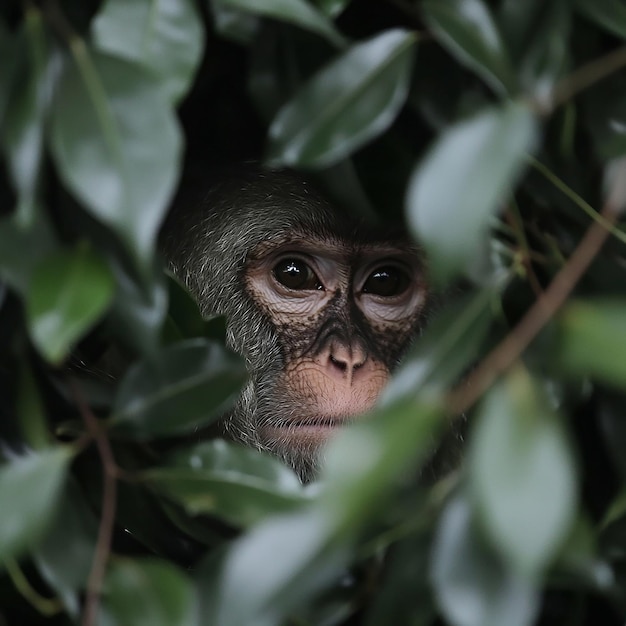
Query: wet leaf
[
  {"x": 182, "y": 387},
  {"x": 523, "y": 474},
  {"x": 68, "y": 293},
  {"x": 105, "y": 146},
  {"x": 164, "y": 36},
  {"x": 608, "y": 14},
  {"x": 297, "y": 12},
  {"x": 32, "y": 485},
  {"x": 346, "y": 104},
  {"x": 469, "y": 32},
  {"x": 460, "y": 183},
  {"x": 147, "y": 592},
  {"x": 237, "y": 484},
  {"x": 472, "y": 586},
  {"x": 592, "y": 335}
]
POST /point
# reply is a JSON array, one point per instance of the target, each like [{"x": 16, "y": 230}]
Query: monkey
[{"x": 321, "y": 305}]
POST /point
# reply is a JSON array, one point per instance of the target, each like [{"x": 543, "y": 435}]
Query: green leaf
[
  {"x": 182, "y": 387},
  {"x": 65, "y": 555},
  {"x": 472, "y": 586},
  {"x": 347, "y": 103},
  {"x": 459, "y": 185},
  {"x": 147, "y": 592},
  {"x": 405, "y": 596},
  {"x": 238, "y": 484},
  {"x": 604, "y": 109},
  {"x": 332, "y": 8},
  {"x": 523, "y": 474},
  {"x": 165, "y": 36},
  {"x": 308, "y": 549},
  {"x": 467, "y": 29},
  {"x": 106, "y": 146},
  {"x": 139, "y": 307},
  {"x": 608, "y": 14},
  {"x": 38, "y": 238},
  {"x": 68, "y": 293},
  {"x": 24, "y": 122},
  {"x": 7, "y": 67},
  {"x": 31, "y": 410},
  {"x": 366, "y": 458},
  {"x": 449, "y": 345},
  {"x": 30, "y": 488},
  {"x": 297, "y": 12},
  {"x": 234, "y": 24},
  {"x": 279, "y": 563},
  {"x": 591, "y": 340},
  {"x": 547, "y": 54}
]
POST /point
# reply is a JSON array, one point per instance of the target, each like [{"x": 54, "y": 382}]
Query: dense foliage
[{"x": 497, "y": 129}]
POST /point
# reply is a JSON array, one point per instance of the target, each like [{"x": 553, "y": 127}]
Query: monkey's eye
[
  {"x": 386, "y": 281},
  {"x": 296, "y": 274}
]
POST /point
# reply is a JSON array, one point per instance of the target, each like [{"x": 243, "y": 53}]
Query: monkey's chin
[{"x": 305, "y": 435}]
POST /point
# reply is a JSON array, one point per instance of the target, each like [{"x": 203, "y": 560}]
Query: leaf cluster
[{"x": 488, "y": 487}]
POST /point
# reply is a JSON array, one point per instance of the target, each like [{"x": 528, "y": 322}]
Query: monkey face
[
  {"x": 343, "y": 313},
  {"x": 321, "y": 307}
]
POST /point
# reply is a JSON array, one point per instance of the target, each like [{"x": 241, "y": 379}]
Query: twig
[
  {"x": 544, "y": 308},
  {"x": 586, "y": 76},
  {"x": 45, "y": 606},
  {"x": 109, "y": 499}
]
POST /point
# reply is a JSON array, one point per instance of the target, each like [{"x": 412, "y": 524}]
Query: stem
[
  {"x": 587, "y": 75},
  {"x": 576, "y": 199},
  {"x": 109, "y": 499},
  {"x": 542, "y": 311},
  {"x": 45, "y": 606}
]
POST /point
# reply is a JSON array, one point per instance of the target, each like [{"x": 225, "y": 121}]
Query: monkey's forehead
[{"x": 333, "y": 245}]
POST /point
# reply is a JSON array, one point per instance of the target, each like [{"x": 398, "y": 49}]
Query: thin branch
[
  {"x": 544, "y": 308},
  {"x": 45, "y": 606},
  {"x": 109, "y": 500},
  {"x": 584, "y": 77},
  {"x": 575, "y": 198}
]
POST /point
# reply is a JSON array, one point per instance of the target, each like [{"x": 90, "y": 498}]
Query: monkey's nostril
[{"x": 342, "y": 365}]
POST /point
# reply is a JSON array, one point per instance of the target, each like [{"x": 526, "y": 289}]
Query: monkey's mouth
[{"x": 310, "y": 430}]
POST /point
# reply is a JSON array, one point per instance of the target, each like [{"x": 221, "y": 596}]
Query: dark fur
[{"x": 207, "y": 243}]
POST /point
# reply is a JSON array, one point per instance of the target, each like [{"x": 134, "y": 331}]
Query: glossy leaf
[
  {"x": 105, "y": 146},
  {"x": 7, "y": 66},
  {"x": 279, "y": 563},
  {"x": 147, "y": 592},
  {"x": 449, "y": 345},
  {"x": 32, "y": 485},
  {"x": 405, "y": 596},
  {"x": 31, "y": 411},
  {"x": 68, "y": 294},
  {"x": 183, "y": 387},
  {"x": 139, "y": 307},
  {"x": 164, "y": 36},
  {"x": 608, "y": 14},
  {"x": 332, "y": 7},
  {"x": 523, "y": 474},
  {"x": 364, "y": 460},
  {"x": 592, "y": 335},
  {"x": 472, "y": 586},
  {"x": 346, "y": 104},
  {"x": 297, "y": 12},
  {"x": 65, "y": 555},
  {"x": 238, "y": 484},
  {"x": 461, "y": 182},
  {"x": 38, "y": 238},
  {"x": 467, "y": 29},
  {"x": 547, "y": 59},
  {"x": 24, "y": 122}
]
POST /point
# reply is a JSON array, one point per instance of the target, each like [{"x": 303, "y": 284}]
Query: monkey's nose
[{"x": 346, "y": 359}]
